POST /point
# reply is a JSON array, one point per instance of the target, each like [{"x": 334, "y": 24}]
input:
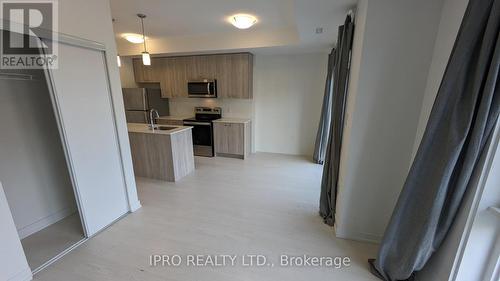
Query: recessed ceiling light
[
  {"x": 133, "y": 38},
  {"x": 242, "y": 21}
]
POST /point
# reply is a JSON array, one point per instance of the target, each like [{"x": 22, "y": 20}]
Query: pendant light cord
[{"x": 143, "y": 36}]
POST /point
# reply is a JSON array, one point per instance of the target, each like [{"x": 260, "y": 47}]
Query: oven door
[
  {"x": 202, "y": 138},
  {"x": 202, "y": 89}
]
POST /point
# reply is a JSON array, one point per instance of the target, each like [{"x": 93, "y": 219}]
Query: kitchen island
[{"x": 165, "y": 153}]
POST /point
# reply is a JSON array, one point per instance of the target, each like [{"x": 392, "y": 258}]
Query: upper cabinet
[
  {"x": 233, "y": 72},
  {"x": 202, "y": 67},
  {"x": 146, "y": 73},
  {"x": 174, "y": 78}
]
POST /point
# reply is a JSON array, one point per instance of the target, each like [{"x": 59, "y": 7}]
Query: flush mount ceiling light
[
  {"x": 133, "y": 38},
  {"x": 146, "y": 59},
  {"x": 242, "y": 21}
]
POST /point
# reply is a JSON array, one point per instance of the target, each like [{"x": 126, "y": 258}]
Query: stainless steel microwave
[{"x": 202, "y": 88}]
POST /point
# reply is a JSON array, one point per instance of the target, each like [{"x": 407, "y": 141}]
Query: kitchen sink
[
  {"x": 165, "y": 128},
  {"x": 162, "y": 128}
]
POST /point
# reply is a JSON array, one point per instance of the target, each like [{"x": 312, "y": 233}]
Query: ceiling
[{"x": 189, "y": 26}]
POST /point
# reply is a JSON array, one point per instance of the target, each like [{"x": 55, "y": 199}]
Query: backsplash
[{"x": 236, "y": 108}]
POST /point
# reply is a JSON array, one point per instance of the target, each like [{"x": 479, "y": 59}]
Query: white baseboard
[
  {"x": 359, "y": 236},
  {"x": 134, "y": 206},
  {"x": 24, "y": 275},
  {"x": 44, "y": 222}
]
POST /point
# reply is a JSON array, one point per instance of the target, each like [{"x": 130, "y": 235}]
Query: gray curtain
[
  {"x": 328, "y": 195},
  {"x": 326, "y": 115},
  {"x": 462, "y": 119}
]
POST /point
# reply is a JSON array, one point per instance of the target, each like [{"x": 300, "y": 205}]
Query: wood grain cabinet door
[
  {"x": 179, "y": 72},
  {"x": 201, "y": 67},
  {"x": 148, "y": 73},
  {"x": 220, "y": 138},
  {"x": 138, "y": 71},
  {"x": 223, "y": 75},
  {"x": 236, "y": 138},
  {"x": 167, "y": 81},
  {"x": 234, "y": 73},
  {"x": 229, "y": 138},
  {"x": 240, "y": 69},
  {"x": 173, "y": 80},
  {"x": 144, "y": 73},
  {"x": 157, "y": 69}
]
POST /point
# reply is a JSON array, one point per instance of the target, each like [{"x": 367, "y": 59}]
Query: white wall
[
  {"x": 288, "y": 92},
  {"x": 32, "y": 163},
  {"x": 451, "y": 17},
  {"x": 392, "y": 52},
  {"x": 91, "y": 20},
  {"x": 13, "y": 264}
]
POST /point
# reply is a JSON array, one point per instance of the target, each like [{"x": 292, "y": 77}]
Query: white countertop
[
  {"x": 232, "y": 120},
  {"x": 180, "y": 118},
  {"x": 144, "y": 128}
]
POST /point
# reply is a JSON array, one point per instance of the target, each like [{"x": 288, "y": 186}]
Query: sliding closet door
[{"x": 83, "y": 101}]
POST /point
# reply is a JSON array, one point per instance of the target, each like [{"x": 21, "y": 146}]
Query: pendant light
[
  {"x": 146, "y": 59},
  {"x": 118, "y": 60}
]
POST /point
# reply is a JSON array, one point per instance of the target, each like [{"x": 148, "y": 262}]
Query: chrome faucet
[{"x": 151, "y": 119}]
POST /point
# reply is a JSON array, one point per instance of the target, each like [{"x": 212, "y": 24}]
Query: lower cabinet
[{"x": 232, "y": 139}]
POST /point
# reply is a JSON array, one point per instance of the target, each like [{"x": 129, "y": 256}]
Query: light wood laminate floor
[
  {"x": 267, "y": 204},
  {"x": 47, "y": 243}
]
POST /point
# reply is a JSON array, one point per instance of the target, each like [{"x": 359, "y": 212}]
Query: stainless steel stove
[{"x": 203, "y": 132}]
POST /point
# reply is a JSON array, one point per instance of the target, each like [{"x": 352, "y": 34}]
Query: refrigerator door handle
[{"x": 145, "y": 101}]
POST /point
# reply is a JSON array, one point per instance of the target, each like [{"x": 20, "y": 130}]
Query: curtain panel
[
  {"x": 326, "y": 115},
  {"x": 340, "y": 79},
  {"x": 461, "y": 121}
]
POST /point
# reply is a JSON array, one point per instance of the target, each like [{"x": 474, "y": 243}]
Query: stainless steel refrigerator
[{"x": 139, "y": 101}]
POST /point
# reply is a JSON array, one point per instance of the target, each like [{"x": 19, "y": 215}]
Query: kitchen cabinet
[
  {"x": 232, "y": 139},
  {"x": 201, "y": 67},
  {"x": 173, "y": 81},
  {"x": 233, "y": 72},
  {"x": 163, "y": 155},
  {"x": 147, "y": 73}
]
